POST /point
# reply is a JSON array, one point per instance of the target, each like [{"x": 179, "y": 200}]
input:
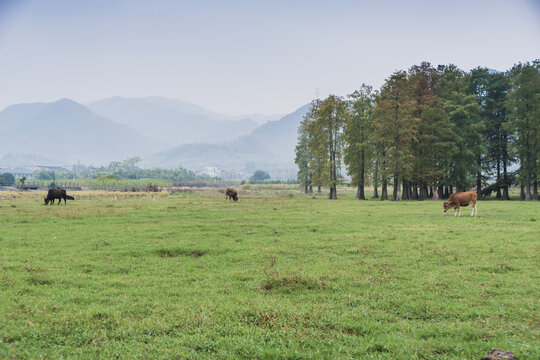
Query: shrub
[{"x": 7, "y": 179}]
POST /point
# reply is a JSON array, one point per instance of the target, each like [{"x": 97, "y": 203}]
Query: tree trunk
[
  {"x": 384, "y": 194},
  {"x": 535, "y": 190},
  {"x": 375, "y": 180},
  {"x": 478, "y": 178},
  {"x": 310, "y": 189},
  {"x": 430, "y": 195},
  {"x": 522, "y": 191},
  {"x": 396, "y": 196},
  {"x": 499, "y": 195},
  {"x": 333, "y": 192},
  {"x": 528, "y": 184},
  {"x": 319, "y": 189},
  {"x": 360, "y": 192},
  {"x": 414, "y": 191},
  {"x": 306, "y": 189},
  {"x": 405, "y": 192},
  {"x": 506, "y": 195},
  {"x": 435, "y": 190},
  {"x": 423, "y": 192},
  {"x": 446, "y": 192}
]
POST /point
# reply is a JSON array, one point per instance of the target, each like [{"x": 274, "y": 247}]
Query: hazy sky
[{"x": 240, "y": 57}]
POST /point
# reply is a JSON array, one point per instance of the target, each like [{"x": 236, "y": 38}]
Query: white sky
[{"x": 238, "y": 57}]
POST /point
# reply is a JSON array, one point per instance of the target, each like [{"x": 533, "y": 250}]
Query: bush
[
  {"x": 7, "y": 179},
  {"x": 52, "y": 185},
  {"x": 260, "y": 175}
]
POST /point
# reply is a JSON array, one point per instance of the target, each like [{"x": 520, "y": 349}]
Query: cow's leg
[
  {"x": 459, "y": 211},
  {"x": 473, "y": 207},
  {"x": 59, "y": 201},
  {"x": 65, "y": 202},
  {"x": 455, "y": 210}
]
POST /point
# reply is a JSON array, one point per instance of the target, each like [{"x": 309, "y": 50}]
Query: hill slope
[
  {"x": 271, "y": 147},
  {"x": 175, "y": 122},
  {"x": 68, "y": 131}
]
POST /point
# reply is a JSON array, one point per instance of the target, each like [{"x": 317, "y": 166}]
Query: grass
[{"x": 277, "y": 275}]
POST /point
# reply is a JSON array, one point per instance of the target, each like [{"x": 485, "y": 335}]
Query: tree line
[
  {"x": 428, "y": 131},
  {"x": 126, "y": 169}
]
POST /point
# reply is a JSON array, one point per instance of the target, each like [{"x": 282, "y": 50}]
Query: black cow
[{"x": 59, "y": 194}]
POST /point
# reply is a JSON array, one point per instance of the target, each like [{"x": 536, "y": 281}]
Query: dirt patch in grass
[
  {"x": 176, "y": 252},
  {"x": 291, "y": 282},
  {"x": 36, "y": 279}
]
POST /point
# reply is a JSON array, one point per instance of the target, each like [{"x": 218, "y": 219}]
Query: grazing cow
[
  {"x": 457, "y": 200},
  {"x": 59, "y": 194},
  {"x": 231, "y": 194}
]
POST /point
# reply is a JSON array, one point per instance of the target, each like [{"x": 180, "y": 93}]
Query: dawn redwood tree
[
  {"x": 303, "y": 157},
  {"x": 328, "y": 117},
  {"x": 498, "y": 139},
  {"x": 394, "y": 130},
  {"x": 464, "y": 113},
  {"x": 523, "y": 105},
  {"x": 358, "y": 136},
  {"x": 431, "y": 141}
]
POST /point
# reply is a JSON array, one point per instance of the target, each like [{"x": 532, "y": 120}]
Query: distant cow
[
  {"x": 59, "y": 194},
  {"x": 231, "y": 194},
  {"x": 457, "y": 200}
]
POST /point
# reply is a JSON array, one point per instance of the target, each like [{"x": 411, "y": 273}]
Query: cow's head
[
  {"x": 446, "y": 205},
  {"x": 46, "y": 200}
]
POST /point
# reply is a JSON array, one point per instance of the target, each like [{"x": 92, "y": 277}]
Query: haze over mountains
[
  {"x": 163, "y": 132},
  {"x": 68, "y": 131},
  {"x": 174, "y": 122}
]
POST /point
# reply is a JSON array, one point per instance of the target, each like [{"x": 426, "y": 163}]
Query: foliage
[
  {"x": 431, "y": 130},
  {"x": 152, "y": 188},
  {"x": 44, "y": 175},
  {"x": 325, "y": 127},
  {"x": 22, "y": 180},
  {"x": 358, "y": 130},
  {"x": 260, "y": 175},
  {"x": 7, "y": 179},
  {"x": 523, "y": 105}
]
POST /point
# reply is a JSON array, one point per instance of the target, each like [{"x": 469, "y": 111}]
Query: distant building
[
  {"x": 18, "y": 172},
  {"x": 211, "y": 171}
]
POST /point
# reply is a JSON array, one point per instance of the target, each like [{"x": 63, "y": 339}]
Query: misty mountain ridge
[
  {"x": 174, "y": 122},
  {"x": 271, "y": 147},
  {"x": 67, "y": 132},
  {"x": 191, "y": 108},
  {"x": 64, "y": 132}
]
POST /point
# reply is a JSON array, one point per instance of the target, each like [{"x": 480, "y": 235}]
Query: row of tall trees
[{"x": 428, "y": 132}]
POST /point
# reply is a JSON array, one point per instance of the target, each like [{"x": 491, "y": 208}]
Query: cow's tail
[{"x": 70, "y": 197}]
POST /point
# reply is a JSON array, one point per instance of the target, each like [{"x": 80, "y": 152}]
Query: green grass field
[{"x": 276, "y": 275}]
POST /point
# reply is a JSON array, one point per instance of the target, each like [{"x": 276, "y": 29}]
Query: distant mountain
[
  {"x": 281, "y": 136},
  {"x": 190, "y": 108},
  {"x": 174, "y": 122},
  {"x": 68, "y": 131},
  {"x": 270, "y": 147},
  {"x": 18, "y": 159}
]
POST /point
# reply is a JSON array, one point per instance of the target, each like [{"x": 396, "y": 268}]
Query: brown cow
[
  {"x": 457, "y": 200},
  {"x": 231, "y": 194}
]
